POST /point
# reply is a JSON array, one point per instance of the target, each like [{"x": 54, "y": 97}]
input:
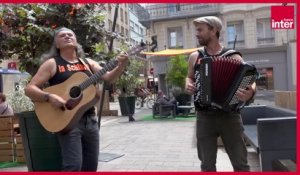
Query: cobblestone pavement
[{"x": 156, "y": 145}]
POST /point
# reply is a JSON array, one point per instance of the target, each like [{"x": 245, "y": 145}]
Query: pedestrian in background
[{"x": 5, "y": 108}]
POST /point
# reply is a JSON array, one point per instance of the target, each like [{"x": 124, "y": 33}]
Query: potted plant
[
  {"x": 18, "y": 100},
  {"x": 126, "y": 85},
  {"x": 175, "y": 77},
  {"x": 41, "y": 148}
]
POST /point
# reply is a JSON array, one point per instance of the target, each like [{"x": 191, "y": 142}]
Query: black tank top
[
  {"x": 226, "y": 52},
  {"x": 65, "y": 70}
]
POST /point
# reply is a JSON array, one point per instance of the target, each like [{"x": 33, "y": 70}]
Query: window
[
  {"x": 122, "y": 30},
  {"x": 109, "y": 8},
  {"x": 117, "y": 28},
  {"x": 122, "y": 15},
  {"x": 265, "y": 35},
  {"x": 136, "y": 28},
  {"x": 175, "y": 37},
  {"x": 126, "y": 18},
  {"x": 173, "y": 8},
  {"x": 132, "y": 42},
  {"x": 126, "y": 32},
  {"x": 235, "y": 29},
  {"x": 177, "y": 6},
  {"x": 141, "y": 31},
  {"x": 131, "y": 23},
  {"x": 109, "y": 24}
]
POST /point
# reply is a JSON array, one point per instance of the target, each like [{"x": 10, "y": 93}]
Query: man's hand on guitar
[
  {"x": 56, "y": 101},
  {"x": 122, "y": 59}
]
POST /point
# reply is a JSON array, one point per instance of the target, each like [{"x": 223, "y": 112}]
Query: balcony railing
[
  {"x": 261, "y": 41},
  {"x": 238, "y": 44},
  {"x": 168, "y": 11}
]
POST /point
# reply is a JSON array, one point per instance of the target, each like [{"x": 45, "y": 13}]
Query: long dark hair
[{"x": 54, "y": 51}]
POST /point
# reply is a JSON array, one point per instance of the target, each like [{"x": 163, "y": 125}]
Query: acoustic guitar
[{"x": 80, "y": 94}]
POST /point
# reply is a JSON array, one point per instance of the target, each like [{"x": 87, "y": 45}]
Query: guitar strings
[{"x": 109, "y": 66}]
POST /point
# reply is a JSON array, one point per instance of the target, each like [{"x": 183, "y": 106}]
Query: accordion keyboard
[
  {"x": 245, "y": 82},
  {"x": 217, "y": 80}
]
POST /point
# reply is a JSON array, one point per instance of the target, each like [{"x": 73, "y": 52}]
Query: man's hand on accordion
[
  {"x": 245, "y": 94},
  {"x": 190, "y": 88}
]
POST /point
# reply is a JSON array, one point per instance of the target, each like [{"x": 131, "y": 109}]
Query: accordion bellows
[{"x": 217, "y": 80}]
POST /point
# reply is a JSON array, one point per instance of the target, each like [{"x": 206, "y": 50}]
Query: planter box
[
  {"x": 42, "y": 150},
  {"x": 7, "y": 153},
  {"x": 127, "y": 105},
  {"x": 286, "y": 99}
]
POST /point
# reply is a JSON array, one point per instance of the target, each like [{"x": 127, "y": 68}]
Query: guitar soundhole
[{"x": 75, "y": 92}]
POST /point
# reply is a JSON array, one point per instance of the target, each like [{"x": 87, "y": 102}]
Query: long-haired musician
[
  {"x": 211, "y": 121},
  {"x": 80, "y": 145}
]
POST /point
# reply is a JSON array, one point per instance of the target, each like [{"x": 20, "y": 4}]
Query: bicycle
[{"x": 144, "y": 98}]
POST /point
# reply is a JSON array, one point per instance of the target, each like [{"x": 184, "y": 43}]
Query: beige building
[
  {"x": 122, "y": 23},
  {"x": 273, "y": 52},
  {"x": 172, "y": 24}
]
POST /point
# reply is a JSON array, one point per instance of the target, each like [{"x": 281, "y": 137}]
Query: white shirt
[{"x": 6, "y": 109}]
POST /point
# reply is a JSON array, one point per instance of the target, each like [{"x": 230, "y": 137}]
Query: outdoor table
[{"x": 186, "y": 109}]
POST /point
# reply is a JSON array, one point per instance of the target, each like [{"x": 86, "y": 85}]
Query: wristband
[{"x": 46, "y": 97}]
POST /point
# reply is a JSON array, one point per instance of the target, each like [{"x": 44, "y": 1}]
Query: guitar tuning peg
[{"x": 102, "y": 63}]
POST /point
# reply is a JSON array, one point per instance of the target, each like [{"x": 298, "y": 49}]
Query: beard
[{"x": 203, "y": 41}]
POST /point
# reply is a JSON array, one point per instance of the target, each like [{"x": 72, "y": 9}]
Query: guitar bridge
[
  {"x": 76, "y": 96},
  {"x": 73, "y": 102}
]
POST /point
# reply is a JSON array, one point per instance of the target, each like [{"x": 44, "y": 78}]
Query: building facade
[
  {"x": 139, "y": 35},
  {"x": 128, "y": 26},
  {"x": 122, "y": 22},
  {"x": 245, "y": 26},
  {"x": 273, "y": 52},
  {"x": 138, "y": 32}
]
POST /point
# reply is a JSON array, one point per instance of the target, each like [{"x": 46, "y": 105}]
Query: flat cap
[{"x": 212, "y": 21}]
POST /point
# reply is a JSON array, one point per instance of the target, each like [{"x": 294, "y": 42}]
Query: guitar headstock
[
  {"x": 132, "y": 51},
  {"x": 135, "y": 50}
]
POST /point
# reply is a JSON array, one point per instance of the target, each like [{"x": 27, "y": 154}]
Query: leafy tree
[
  {"x": 176, "y": 77},
  {"x": 129, "y": 81},
  {"x": 27, "y": 30},
  {"x": 178, "y": 71}
]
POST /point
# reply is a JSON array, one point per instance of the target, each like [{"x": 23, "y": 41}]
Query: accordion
[{"x": 217, "y": 80}]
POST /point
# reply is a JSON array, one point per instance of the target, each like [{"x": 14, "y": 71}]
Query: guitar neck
[
  {"x": 109, "y": 66},
  {"x": 95, "y": 77}
]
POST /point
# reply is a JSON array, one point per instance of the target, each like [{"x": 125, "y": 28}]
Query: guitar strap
[{"x": 85, "y": 62}]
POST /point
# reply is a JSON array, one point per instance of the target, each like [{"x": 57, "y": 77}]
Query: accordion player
[{"x": 217, "y": 79}]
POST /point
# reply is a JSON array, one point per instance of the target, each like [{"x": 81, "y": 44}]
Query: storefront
[
  {"x": 266, "y": 79},
  {"x": 160, "y": 62},
  {"x": 272, "y": 65},
  {"x": 9, "y": 78}
]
